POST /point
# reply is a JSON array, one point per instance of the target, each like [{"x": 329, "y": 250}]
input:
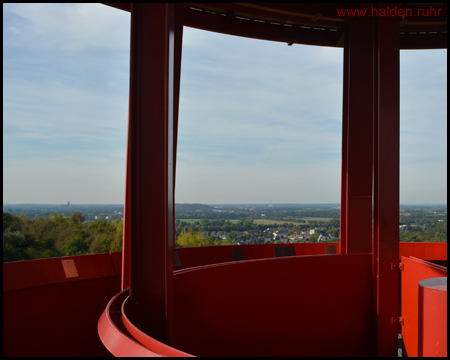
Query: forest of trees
[
  {"x": 191, "y": 238},
  {"x": 68, "y": 235},
  {"x": 25, "y": 239}
]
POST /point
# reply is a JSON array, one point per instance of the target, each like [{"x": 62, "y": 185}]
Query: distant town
[
  {"x": 298, "y": 223},
  {"x": 98, "y": 228}
]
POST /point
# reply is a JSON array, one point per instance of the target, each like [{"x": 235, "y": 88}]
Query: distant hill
[{"x": 192, "y": 207}]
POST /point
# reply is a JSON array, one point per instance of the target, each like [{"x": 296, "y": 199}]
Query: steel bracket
[
  {"x": 397, "y": 320},
  {"x": 397, "y": 266}
]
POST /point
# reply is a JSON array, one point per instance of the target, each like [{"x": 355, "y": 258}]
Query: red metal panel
[
  {"x": 424, "y": 251},
  {"x": 344, "y": 163},
  {"x": 116, "y": 258},
  {"x": 47, "y": 314},
  {"x": 178, "y": 38},
  {"x": 150, "y": 166},
  {"x": 207, "y": 255},
  {"x": 375, "y": 229},
  {"x": 359, "y": 135},
  {"x": 26, "y": 274},
  {"x": 433, "y": 317},
  {"x": 198, "y": 256},
  {"x": 387, "y": 181},
  {"x": 292, "y": 306},
  {"x": 415, "y": 270},
  {"x": 311, "y": 18}
]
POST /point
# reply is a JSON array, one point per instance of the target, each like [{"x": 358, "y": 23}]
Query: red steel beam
[
  {"x": 386, "y": 182},
  {"x": 344, "y": 164},
  {"x": 177, "y": 75},
  {"x": 375, "y": 244},
  {"x": 150, "y": 166},
  {"x": 359, "y": 141}
]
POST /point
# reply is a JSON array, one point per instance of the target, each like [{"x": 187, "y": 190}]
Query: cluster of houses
[
  {"x": 271, "y": 235},
  {"x": 304, "y": 235},
  {"x": 222, "y": 235},
  {"x": 406, "y": 227}
]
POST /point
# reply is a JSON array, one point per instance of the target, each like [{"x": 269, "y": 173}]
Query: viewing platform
[
  {"x": 351, "y": 298},
  {"x": 228, "y": 301}
]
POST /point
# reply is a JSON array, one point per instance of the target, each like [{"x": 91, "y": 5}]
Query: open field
[
  {"x": 265, "y": 221},
  {"x": 318, "y": 218},
  {"x": 191, "y": 221},
  {"x": 277, "y": 222},
  {"x": 268, "y": 221}
]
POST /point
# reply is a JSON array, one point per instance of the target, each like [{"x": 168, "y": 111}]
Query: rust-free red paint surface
[
  {"x": 150, "y": 166},
  {"x": 37, "y": 295},
  {"x": 309, "y": 21},
  {"x": 344, "y": 161},
  {"x": 415, "y": 270},
  {"x": 424, "y": 251},
  {"x": 150, "y": 343},
  {"x": 114, "y": 336},
  {"x": 198, "y": 256},
  {"x": 359, "y": 137},
  {"x": 293, "y": 306},
  {"x": 433, "y": 317},
  {"x": 47, "y": 314},
  {"x": 26, "y": 274},
  {"x": 387, "y": 180}
]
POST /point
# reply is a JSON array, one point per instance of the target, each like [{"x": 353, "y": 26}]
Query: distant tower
[
  {"x": 68, "y": 203},
  {"x": 270, "y": 204}
]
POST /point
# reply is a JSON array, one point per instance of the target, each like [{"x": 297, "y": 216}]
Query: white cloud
[
  {"x": 59, "y": 111},
  {"x": 259, "y": 121},
  {"x": 14, "y": 30},
  {"x": 71, "y": 27}
]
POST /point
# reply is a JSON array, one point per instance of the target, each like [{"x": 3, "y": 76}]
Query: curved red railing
[
  {"x": 55, "y": 310},
  {"x": 115, "y": 340},
  {"x": 122, "y": 338},
  {"x": 146, "y": 340},
  {"x": 207, "y": 325}
]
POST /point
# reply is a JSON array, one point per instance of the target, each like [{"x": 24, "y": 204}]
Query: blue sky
[{"x": 259, "y": 121}]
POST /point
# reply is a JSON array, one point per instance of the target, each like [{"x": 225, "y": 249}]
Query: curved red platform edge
[
  {"x": 115, "y": 340},
  {"x": 148, "y": 341}
]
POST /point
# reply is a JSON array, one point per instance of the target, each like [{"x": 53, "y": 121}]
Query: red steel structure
[{"x": 347, "y": 299}]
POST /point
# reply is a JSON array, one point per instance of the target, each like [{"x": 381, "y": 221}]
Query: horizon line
[{"x": 211, "y": 204}]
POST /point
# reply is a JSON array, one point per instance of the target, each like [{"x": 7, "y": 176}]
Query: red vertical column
[
  {"x": 126, "y": 216},
  {"x": 344, "y": 164},
  {"x": 178, "y": 38},
  {"x": 149, "y": 228},
  {"x": 386, "y": 182},
  {"x": 375, "y": 195},
  {"x": 176, "y": 42},
  {"x": 359, "y": 137}
]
